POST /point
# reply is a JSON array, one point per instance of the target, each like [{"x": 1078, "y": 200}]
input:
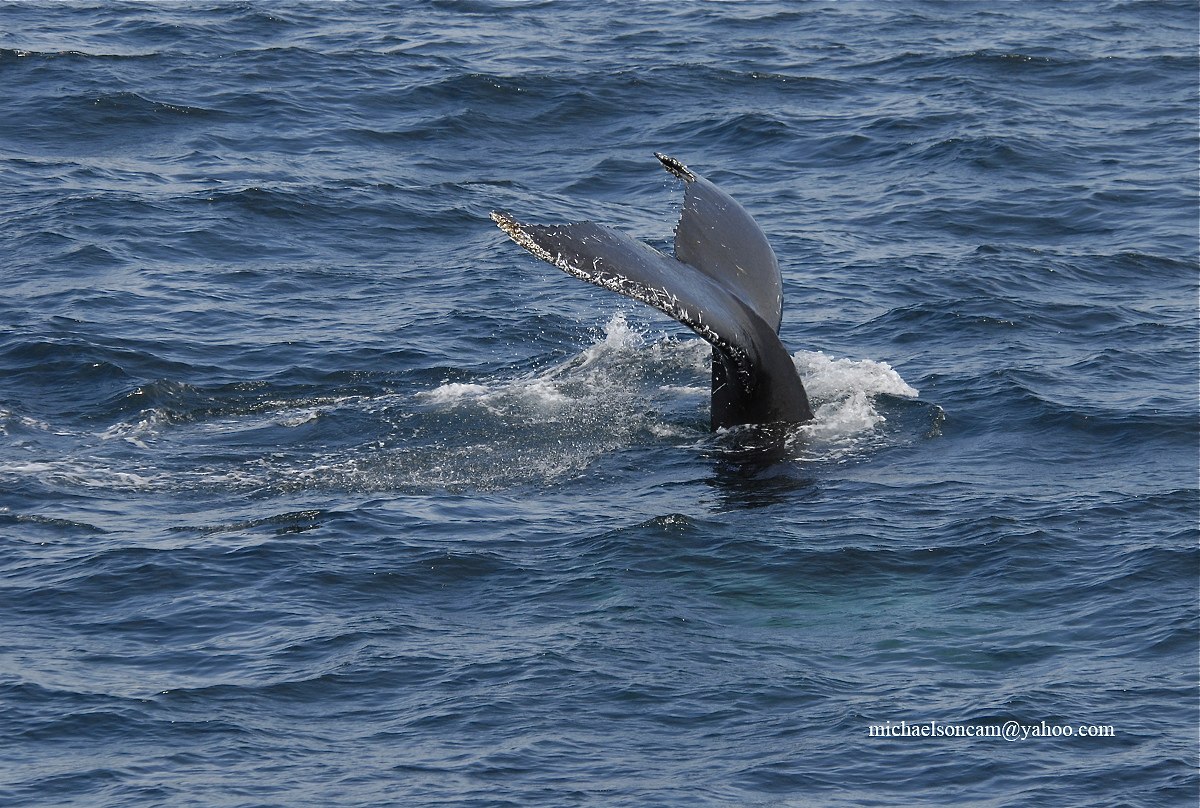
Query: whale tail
[{"x": 723, "y": 282}]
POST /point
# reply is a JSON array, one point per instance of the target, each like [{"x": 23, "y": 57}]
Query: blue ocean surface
[{"x": 317, "y": 490}]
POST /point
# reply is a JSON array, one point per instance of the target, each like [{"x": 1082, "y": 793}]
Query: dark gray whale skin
[{"x": 723, "y": 283}]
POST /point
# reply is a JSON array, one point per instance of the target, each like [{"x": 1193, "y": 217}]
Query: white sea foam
[
  {"x": 138, "y": 432},
  {"x": 78, "y": 473},
  {"x": 554, "y": 422},
  {"x": 586, "y": 378},
  {"x": 842, "y": 392},
  {"x": 688, "y": 390},
  {"x": 299, "y": 417},
  {"x": 453, "y": 392},
  {"x": 619, "y": 336},
  {"x": 826, "y": 378},
  {"x": 8, "y": 417}
]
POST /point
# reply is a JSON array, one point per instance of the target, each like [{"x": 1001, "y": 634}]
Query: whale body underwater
[{"x": 723, "y": 282}]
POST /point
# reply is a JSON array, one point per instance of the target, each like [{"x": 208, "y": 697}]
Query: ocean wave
[{"x": 18, "y": 53}]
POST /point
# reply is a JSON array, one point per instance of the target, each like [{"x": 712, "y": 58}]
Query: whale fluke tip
[
  {"x": 506, "y": 223},
  {"x": 675, "y": 167}
]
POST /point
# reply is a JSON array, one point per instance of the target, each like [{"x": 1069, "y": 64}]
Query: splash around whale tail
[{"x": 723, "y": 283}]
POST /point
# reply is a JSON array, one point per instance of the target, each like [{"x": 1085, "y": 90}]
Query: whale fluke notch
[
  {"x": 723, "y": 283},
  {"x": 675, "y": 167}
]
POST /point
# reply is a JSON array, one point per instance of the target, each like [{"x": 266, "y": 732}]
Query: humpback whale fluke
[{"x": 723, "y": 283}]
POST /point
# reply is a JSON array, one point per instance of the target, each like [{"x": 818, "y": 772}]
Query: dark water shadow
[{"x": 756, "y": 467}]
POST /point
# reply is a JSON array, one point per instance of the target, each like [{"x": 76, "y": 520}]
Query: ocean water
[{"x": 316, "y": 490}]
